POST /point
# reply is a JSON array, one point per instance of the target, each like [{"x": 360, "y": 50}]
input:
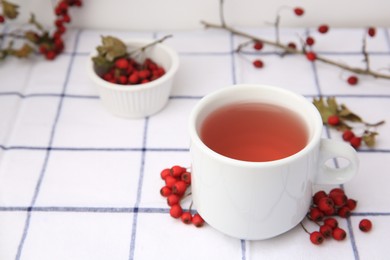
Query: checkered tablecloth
[{"x": 79, "y": 183}]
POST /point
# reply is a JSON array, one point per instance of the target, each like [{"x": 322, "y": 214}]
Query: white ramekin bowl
[{"x": 141, "y": 100}]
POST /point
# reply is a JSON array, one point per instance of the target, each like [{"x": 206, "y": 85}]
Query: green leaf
[{"x": 10, "y": 10}]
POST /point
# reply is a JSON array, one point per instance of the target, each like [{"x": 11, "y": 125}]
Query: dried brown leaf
[{"x": 10, "y": 10}]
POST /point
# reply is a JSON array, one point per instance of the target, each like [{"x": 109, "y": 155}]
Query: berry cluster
[
  {"x": 177, "y": 180},
  {"x": 127, "y": 71},
  {"x": 53, "y": 45},
  {"x": 48, "y": 44},
  {"x": 322, "y": 211}
]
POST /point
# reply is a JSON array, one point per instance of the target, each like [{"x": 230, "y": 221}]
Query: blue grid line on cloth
[
  {"x": 43, "y": 170},
  {"x": 143, "y": 150}
]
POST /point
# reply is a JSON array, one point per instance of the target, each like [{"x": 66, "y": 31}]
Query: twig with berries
[
  {"x": 355, "y": 130},
  {"x": 323, "y": 211},
  {"x": 177, "y": 181},
  {"x": 291, "y": 48},
  {"x": 39, "y": 40}
]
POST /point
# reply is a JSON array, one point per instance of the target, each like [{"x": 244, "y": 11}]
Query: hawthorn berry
[
  {"x": 186, "y": 177},
  {"x": 177, "y": 170},
  {"x": 170, "y": 181},
  {"x": 134, "y": 78},
  {"x": 333, "y": 120},
  {"x": 332, "y": 222},
  {"x": 258, "y": 45},
  {"x": 292, "y": 45},
  {"x": 356, "y": 142},
  {"x": 173, "y": 199},
  {"x": 179, "y": 188},
  {"x": 121, "y": 63},
  {"x": 339, "y": 200},
  {"x": 348, "y": 135},
  {"x": 371, "y": 31},
  {"x": 258, "y": 64},
  {"x": 164, "y": 173},
  {"x": 351, "y": 204},
  {"x": 165, "y": 191},
  {"x": 186, "y": 217},
  {"x": 2, "y": 20},
  {"x": 310, "y": 41},
  {"x": 323, "y": 28},
  {"x": 299, "y": 11},
  {"x": 344, "y": 212},
  {"x": 316, "y": 214},
  {"x": 311, "y": 56},
  {"x": 365, "y": 225},
  {"x": 319, "y": 195},
  {"x": 339, "y": 234},
  {"x": 316, "y": 238},
  {"x": 176, "y": 211},
  {"x": 325, "y": 204},
  {"x": 197, "y": 220},
  {"x": 326, "y": 230},
  {"x": 352, "y": 80}
]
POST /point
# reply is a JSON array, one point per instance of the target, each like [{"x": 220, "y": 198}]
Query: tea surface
[{"x": 255, "y": 132}]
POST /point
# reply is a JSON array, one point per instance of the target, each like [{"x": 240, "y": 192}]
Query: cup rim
[
  {"x": 137, "y": 87},
  {"x": 195, "y": 139}
]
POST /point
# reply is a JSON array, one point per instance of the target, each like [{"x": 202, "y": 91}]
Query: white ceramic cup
[{"x": 259, "y": 200}]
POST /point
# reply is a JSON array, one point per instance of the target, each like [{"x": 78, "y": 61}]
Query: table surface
[{"x": 79, "y": 183}]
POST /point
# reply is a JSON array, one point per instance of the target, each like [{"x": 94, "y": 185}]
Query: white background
[{"x": 186, "y": 14}]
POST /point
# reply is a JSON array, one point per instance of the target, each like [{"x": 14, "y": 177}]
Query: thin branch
[
  {"x": 143, "y": 48},
  {"x": 221, "y": 12},
  {"x": 296, "y": 51}
]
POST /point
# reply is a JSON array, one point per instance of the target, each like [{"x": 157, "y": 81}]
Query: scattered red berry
[
  {"x": 2, "y": 20},
  {"x": 348, "y": 135},
  {"x": 176, "y": 171},
  {"x": 319, "y": 195},
  {"x": 344, "y": 212},
  {"x": 323, "y": 28},
  {"x": 316, "y": 214},
  {"x": 339, "y": 234},
  {"x": 258, "y": 45},
  {"x": 333, "y": 120},
  {"x": 311, "y": 56},
  {"x": 325, "y": 204},
  {"x": 332, "y": 222},
  {"x": 310, "y": 41},
  {"x": 351, "y": 204},
  {"x": 186, "y": 177},
  {"x": 326, "y": 231},
  {"x": 356, "y": 142},
  {"x": 173, "y": 199},
  {"x": 165, "y": 191},
  {"x": 176, "y": 211},
  {"x": 186, "y": 217},
  {"x": 258, "y": 64},
  {"x": 164, "y": 173},
  {"x": 197, "y": 220},
  {"x": 316, "y": 238},
  {"x": 299, "y": 11},
  {"x": 371, "y": 31},
  {"x": 179, "y": 188},
  {"x": 365, "y": 225},
  {"x": 352, "y": 80}
]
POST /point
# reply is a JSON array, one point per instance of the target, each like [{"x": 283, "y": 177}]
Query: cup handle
[{"x": 330, "y": 149}]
